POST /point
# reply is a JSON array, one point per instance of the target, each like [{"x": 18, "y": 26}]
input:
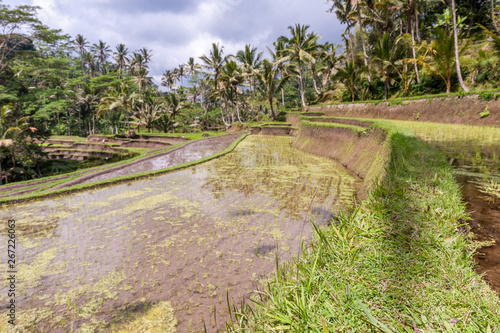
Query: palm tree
[
  {"x": 344, "y": 13},
  {"x": 357, "y": 4},
  {"x": 231, "y": 77},
  {"x": 174, "y": 104},
  {"x": 250, "y": 60},
  {"x": 87, "y": 98},
  {"x": 146, "y": 55},
  {"x": 80, "y": 44},
  {"x": 272, "y": 85},
  {"x": 350, "y": 76},
  {"x": 119, "y": 97},
  {"x": 455, "y": 39},
  {"x": 121, "y": 58},
  {"x": 386, "y": 52},
  {"x": 299, "y": 48},
  {"x": 89, "y": 61},
  {"x": 191, "y": 66},
  {"x": 138, "y": 62},
  {"x": 181, "y": 73},
  {"x": 141, "y": 78},
  {"x": 148, "y": 112},
  {"x": 102, "y": 51},
  {"x": 276, "y": 55},
  {"x": 442, "y": 52},
  {"x": 168, "y": 79},
  {"x": 214, "y": 61}
]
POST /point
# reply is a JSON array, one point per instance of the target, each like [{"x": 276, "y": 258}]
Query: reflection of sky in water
[{"x": 211, "y": 224}]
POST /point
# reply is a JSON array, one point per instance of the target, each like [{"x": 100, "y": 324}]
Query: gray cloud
[{"x": 176, "y": 30}]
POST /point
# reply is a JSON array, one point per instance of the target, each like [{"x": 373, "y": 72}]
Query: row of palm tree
[
  {"x": 385, "y": 38},
  {"x": 94, "y": 58}
]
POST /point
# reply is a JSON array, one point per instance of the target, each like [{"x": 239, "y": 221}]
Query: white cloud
[{"x": 176, "y": 30}]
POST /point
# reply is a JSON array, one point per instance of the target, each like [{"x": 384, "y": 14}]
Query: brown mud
[
  {"x": 192, "y": 237},
  {"x": 452, "y": 110},
  {"x": 484, "y": 210}
]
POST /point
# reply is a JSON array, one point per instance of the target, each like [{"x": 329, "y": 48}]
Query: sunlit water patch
[{"x": 99, "y": 260}]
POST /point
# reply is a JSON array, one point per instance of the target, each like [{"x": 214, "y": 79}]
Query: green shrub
[{"x": 486, "y": 95}]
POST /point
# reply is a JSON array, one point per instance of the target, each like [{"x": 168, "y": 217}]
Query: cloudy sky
[{"x": 178, "y": 29}]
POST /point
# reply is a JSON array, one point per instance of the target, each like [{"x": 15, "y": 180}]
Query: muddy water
[
  {"x": 483, "y": 203},
  {"x": 189, "y": 153},
  {"x": 189, "y": 238}
]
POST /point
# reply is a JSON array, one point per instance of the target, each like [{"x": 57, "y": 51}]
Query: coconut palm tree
[
  {"x": 250, "y": 60},
  {"x": 271, "y": 83},
  {"x": 299, "y": 49},
  {"x": 181, "y": 73},
  {"x": 120, "y": 97},
  {"x": 121, "y": 58},
  {"x": 350, "y": 76},
  {"x": 142, "y": 79},
  {"x": 87, "y": 99},
  {"x": 386, "y": 52},
  {"x": 168, "y": 79},
  {"x": 457, "y": 52},
  {"x": 173, "y": 104},
  {"x": 191, "y": 66},
  {"x": 231, "y": 78},
  {"x": 80, "y": 45},
  {"x": 344, "y": 13},
  {"x": 101, "y": 51},
  {"x": 214, "y": 62},
  {"x": 148, "y": 112},
  {"x": 276, "y": 55}
]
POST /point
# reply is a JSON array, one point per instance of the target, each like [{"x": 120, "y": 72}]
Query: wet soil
[
  {"x": 172, "y": 157},
  {"x": 484, "y": 209},
  {"x": 188, "y": 153},
  {"x": 453, "y": 110},
  {"x": 192, "y": 237}
]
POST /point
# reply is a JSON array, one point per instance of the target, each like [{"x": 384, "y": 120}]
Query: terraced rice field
[{"x": 170, "y": 249}]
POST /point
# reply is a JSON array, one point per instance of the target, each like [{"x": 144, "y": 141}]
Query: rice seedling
[{"x": 225, "y": 220}]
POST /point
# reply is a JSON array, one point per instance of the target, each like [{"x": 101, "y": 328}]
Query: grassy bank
[{"x": 399, "y": 263}]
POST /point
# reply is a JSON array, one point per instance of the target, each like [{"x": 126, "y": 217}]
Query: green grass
[
  {"x": 398, "y": 263},
  {"x": 305, "y": 122}
]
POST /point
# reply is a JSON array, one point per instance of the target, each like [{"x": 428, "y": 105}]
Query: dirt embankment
[
  {"x": 364, "y": 153},
  {"x": 453, "y": 110}
]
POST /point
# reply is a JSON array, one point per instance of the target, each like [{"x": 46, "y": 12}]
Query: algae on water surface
[{"x": 106, "y": 258}]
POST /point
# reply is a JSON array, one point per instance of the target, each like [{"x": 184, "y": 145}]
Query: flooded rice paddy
[
  {"x": 481, "y": 190},
  {"x": 171, "y": 248}
]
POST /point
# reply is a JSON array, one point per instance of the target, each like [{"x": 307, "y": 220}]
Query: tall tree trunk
[
  {"x": 417, "y": 28},
  {"x": 386, "y": 87},
  {"x": 414, "y": 52},
  {"x": 58, "y": 125},
  {"x": 363, "y": 42},
  {"x": 283, "y": 97},
  {"x": 301, "y": 87},
  {"x": 238, "y": 112},
  {"x": 251, "y": 96},
  {"x": 270, "y": 97},
  {"x": 67, "y": 122},
  {"x": 313, "y": 70},
  {"x": 455, "y": 37}
]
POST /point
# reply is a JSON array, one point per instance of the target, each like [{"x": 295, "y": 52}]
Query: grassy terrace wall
[
  {"x": 399, "y": 263},
  {"x": 363, "y": 151},
  {"x": 447, "y": 109}
]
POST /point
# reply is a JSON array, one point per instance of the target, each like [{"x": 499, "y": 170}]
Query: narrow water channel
[
  {"x": 482, "y": 195},
  {"x": 187, "y": 239}
]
